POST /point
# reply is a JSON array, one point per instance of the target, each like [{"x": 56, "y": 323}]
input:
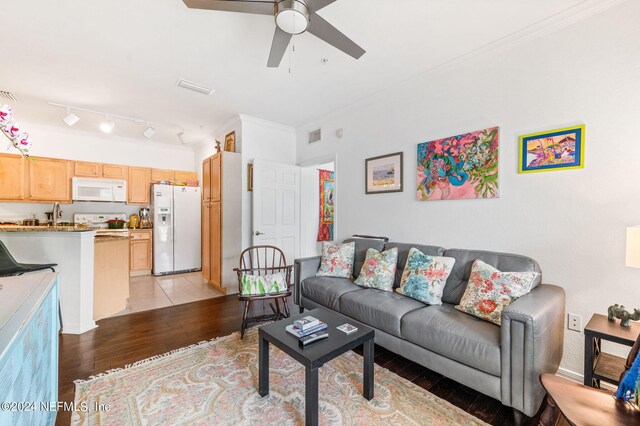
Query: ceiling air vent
[
  {"x": 315, "y": 136},
  {"x": 8, "y": 96}
]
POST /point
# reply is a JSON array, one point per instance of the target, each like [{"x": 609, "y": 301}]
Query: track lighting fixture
[
  {"x": 70, "y": 118},
  {"x": 148, "y": 132},
  {"x": 183, "y": 139},
  {"x": 107, "y": 126}
]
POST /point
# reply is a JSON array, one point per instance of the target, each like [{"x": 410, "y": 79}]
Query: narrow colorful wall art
[
  {"x": 458, "y": 167},
  {"x": 559, "y": 149},
  {"x": 327, "y": 210}
]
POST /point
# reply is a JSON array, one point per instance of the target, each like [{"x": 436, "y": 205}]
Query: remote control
[{"x": 304, "y": 341}]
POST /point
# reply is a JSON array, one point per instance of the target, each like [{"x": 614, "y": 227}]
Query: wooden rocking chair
[
  {"x": 261, "y": 261},
  {"x": 584, "y": 405}
]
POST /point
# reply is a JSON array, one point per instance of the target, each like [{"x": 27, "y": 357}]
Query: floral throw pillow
[
  {"x": 490, "y": 291},
  {"x": 424, "y": 277},
  {"x": 337, "y": 260},
  {"x": 379, "y": 269},
  {"x": 255, "y": 285}
]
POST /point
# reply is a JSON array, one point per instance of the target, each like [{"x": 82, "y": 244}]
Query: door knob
[{"x": 259, "y": 233}]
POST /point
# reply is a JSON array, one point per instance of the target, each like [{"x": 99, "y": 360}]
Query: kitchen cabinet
[
  {"x": 50, "y": 180},
  {"x": 12, "y": 177},
  {"x": 84, "y": 169},
  {"x": 158, "y": 175},
  {"x": 141, "y": 252},
  {"x": 139, "y": 186},
  {"x": 114, "y": 171},
  {"x": 184, "y": 176},
  {"x": 222, "y": 220},
  {"x": 206, "y": 180}
]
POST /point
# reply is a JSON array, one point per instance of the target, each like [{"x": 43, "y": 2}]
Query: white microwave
[{"x": 106, "y": 190}]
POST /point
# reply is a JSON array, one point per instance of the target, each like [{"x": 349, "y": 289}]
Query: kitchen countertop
[{"x": 19, "y": 228}]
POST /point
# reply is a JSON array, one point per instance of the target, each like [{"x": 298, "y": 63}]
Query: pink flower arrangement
[{"x": 18, "y": 138}]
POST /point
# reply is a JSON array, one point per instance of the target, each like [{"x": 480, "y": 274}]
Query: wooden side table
[{"x": 600, "y": 365}]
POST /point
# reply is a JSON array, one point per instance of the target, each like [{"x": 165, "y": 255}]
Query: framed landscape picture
[
  {"x": 560, "y": 149},
  {"x": 458, "y": 167},
  {"x": 384, "y": 174}
]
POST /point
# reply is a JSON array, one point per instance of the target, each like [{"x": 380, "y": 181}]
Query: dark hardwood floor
[{"x": 123, "y": 340}]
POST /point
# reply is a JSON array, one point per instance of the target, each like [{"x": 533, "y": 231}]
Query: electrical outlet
[{"x": 575, "y": 322}]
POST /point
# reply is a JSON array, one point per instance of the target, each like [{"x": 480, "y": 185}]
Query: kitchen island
[
  {"x": 73, "y": 250},
  {"x": 111, "y": 276}
]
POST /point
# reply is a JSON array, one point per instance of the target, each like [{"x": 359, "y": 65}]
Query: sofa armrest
[
  {"x": 304, "y": 268},
  {"x": 532, "y": 338}
]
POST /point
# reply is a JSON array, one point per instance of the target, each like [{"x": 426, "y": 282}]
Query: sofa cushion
[
  {"x": 327, "y": 291},
  {"x": 379, "y": 269},
  {"x": 455, "y": 335},
  {"x": 378, "y": 308},
  {"x": 457, "y": 281},
  {"x": 362, "y": 245},
  {"x": 424, "y": 277},
  {"x": 403, "y": 254}
]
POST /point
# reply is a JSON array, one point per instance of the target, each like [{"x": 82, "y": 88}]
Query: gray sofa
[{"x": 502, "y": 362}]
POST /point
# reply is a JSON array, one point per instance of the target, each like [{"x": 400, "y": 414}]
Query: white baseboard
[{"x": 579, "y": 378}]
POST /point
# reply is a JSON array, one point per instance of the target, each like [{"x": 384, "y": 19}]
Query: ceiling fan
[{"x": 292, "y": 17}]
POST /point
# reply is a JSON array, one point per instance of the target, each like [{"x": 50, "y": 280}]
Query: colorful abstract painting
[
  {"x": 559, "y": 149},
  {"x": 327, "y": 203},
  {"x": 463, "y": 166}
]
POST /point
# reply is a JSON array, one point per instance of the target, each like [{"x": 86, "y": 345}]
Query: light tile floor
[{"x": 150, "y": 292}]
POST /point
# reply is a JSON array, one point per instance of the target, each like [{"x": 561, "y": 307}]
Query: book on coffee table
[
  {"x": 306, "y": 323},
  {"x": 302, "y": 333}
]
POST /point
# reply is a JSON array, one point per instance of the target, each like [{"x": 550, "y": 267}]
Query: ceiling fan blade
[
  {"x": 316, "y": 5},
  {"x": 260, "y": 7},
  {"x": 278, "y": 48},
  {"x": 330, "y": 34}
]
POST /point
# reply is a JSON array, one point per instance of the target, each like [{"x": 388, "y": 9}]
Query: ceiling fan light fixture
[{"x": 292, "y": 16}]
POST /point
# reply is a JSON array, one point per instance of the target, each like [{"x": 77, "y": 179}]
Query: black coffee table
[{"x": 316, "y": 354}]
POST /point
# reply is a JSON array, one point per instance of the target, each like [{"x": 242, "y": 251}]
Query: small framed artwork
[
  {"x": 250, "y": 177},
  {"x": 384, "y": 174},
  {"x": 560, "y": 149},
  {"x": 230, "y": 142}
]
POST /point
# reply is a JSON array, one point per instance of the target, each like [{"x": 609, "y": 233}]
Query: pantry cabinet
[
  {"x": 12, "y": 178},
  {"x": 141, "y": 253},
  {"x": 139, "y": 186},
  {"x": 221, "y": 220},
  {"x": 50, "y": 180}
]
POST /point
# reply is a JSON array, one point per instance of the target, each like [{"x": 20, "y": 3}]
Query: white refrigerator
[{"x": 176, "y": 229}]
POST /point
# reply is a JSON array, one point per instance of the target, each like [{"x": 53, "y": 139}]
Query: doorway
[{"x": 311, "y": 177}]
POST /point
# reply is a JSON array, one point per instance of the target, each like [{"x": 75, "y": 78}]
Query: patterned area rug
[{"x": 215, "y": 383}]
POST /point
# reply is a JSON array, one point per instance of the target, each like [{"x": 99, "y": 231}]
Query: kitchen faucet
[{"x": 56, "y": 213}]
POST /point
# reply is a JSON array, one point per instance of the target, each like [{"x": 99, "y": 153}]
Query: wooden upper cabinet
[
  {"x": 206, "y": 180},
  {"x": 139, "y": 186},
  {"x": 84, "y": 169},
  {"x": 114, "y": 171},
  {"x": 180, "y": 176},
  {"x": 216, "y": 177},
  {"x": 158, "y": 175},
  {"x": 50, "y": 180},
  {"x": 12, "y": 177}
]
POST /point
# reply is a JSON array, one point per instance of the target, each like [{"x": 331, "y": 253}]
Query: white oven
[{"x": 107, "y": 190}]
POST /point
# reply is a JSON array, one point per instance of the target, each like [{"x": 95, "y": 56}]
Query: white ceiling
[{"x": 125, "y": 57}]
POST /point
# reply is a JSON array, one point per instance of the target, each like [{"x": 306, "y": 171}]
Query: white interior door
[{"x": 276, "y": 206}]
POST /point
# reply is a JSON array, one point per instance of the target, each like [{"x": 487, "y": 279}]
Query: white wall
[
  {"x": 572, "y": 222},
  {"x": 310, "y": 209},
  {"x": 72, "y": 144}
]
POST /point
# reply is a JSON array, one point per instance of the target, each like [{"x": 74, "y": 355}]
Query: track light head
[
  {"x": 107, "y": 126},
  {"x": 70, "y": 118},
  {"x": 149, "y": 132},
  {"x": 183, "y": 139}
]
